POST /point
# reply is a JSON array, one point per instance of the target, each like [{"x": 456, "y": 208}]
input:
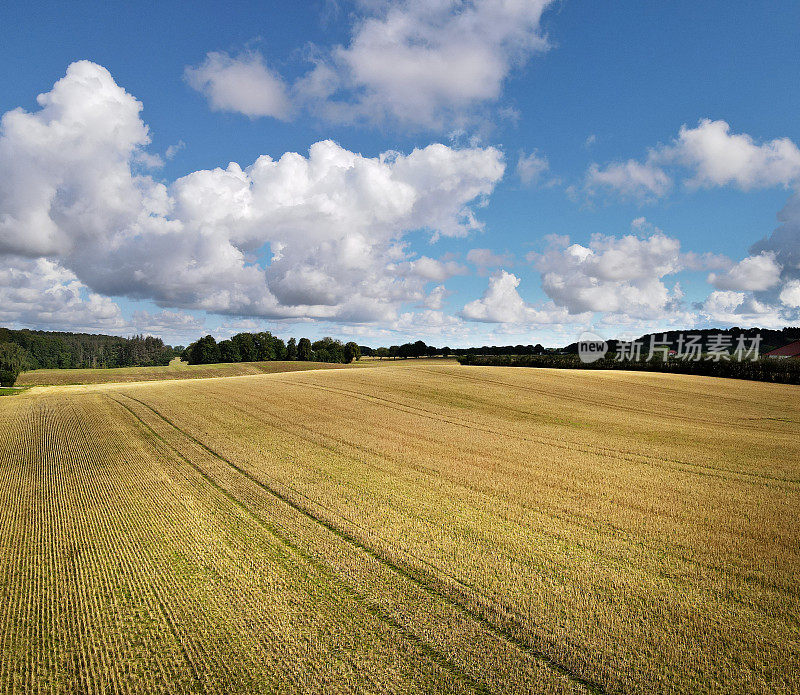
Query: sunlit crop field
[
  {"x": 410, "y": 528},
  {"x": 62, "y": 377}
]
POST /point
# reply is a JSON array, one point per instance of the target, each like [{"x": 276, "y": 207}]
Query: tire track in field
[
  {"x": 579, "y": 519},
  {"x": 632, "y": 457},
  {"x": 512, "y": 631},
  {"x": 373, "y": 610}
]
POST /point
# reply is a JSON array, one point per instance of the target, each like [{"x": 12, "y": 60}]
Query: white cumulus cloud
[
  {"x": 502, "y": 303},
  {"x": 784, "y": 242},
  {"x": 317, "y": 235},
  {"x": 65, "y": 171},
  {"x": 39, "y": 292},
  {"x": 432, "y": 269},
  {"x": 718, "y": 157},
  {"x": 707, "y": 156},
  {"x": 740, "y": 309},
  {"x": 413, "y": 63},
  {"x": 753, "y": 273},
  {"x": 435, "y": 298},
  {"x": 790, "y": 294},
  {"x": 242, "y": 84},
  {"x": 612, "y": 274},
  {"x": 631, "y": 179}
]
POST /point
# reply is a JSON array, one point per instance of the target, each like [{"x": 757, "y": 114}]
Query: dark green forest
[
  {"x": 263, "y": 347},
  {"x": 23, "y": 350}
]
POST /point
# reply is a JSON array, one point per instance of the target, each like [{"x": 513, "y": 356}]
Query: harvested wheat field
[
  {"x": 410, "y": 528},
  {"x": 174, "y": 370}
]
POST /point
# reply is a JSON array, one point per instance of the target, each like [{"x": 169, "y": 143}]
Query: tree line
[
  {"x": 420, "y": 349},
  {"x": 261, "y": 347},
  {"x": 23, "y": 350},
  {"x": 265, "y": 347},
  {"x": 766, "y": 369}
]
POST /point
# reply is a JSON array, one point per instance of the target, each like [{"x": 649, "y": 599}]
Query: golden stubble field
[
  {"x": 174, "y": 370},
  {"x": 406, "y": 528}
]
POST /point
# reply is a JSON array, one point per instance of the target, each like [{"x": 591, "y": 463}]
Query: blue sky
[{"x": 618, "y": 167}]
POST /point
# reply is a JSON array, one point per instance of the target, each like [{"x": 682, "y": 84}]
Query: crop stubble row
[
  {"x": 640, "y": 550},
  {"x": 142, "y": 574},
  {"x": 441, "y": 528}
]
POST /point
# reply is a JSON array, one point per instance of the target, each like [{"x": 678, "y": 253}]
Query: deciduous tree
[
  {"x": 13, "y": 360},
  {"x": 304, "y": 349},
  {"x": 291, "y": 349},
  {"x": 351, "y": 352}
]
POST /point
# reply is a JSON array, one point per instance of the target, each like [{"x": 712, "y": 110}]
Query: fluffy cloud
[
  {"x": 713, "y": 157},
  {"x": 740, "y": 309},
  {"x": 420, "y": 60},
  {"x": 416, "y": 63},
  {"x": 784, "y": 242},
  {"x": 790, "y": 294},
  {"x": 612, "y": 274},
  {"x": 431, "y": 269},
  {"x": 39, "y": 292},
  {"x": 426, "y": 62},
  {"x": 502, "y": 303},
  {"x": 752, "y": 273},
  {"x": 764, "y": 288},
  {"x": 435, "y": 298},
  {"x": 783, "y": 246},
  {"x": 243, "y": 84},
  {"x": 719, "y": 158},
  {"x": 301, "y": 236},
  {"x": 65, "y": 175}
]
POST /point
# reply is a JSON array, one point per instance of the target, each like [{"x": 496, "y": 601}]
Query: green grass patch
[{"x": 12, "y": 390}]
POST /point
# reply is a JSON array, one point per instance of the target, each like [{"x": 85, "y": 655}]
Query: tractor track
[{"x": 475, "y": 606}]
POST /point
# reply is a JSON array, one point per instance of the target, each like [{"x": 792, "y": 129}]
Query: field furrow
[{"x": 401, "y": 529}]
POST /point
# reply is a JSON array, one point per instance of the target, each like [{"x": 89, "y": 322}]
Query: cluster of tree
[
  {"x": 406, "y": 350},
  {"x": 13, "y": 360},
  {"x": 420, "y": 349},
  {"x": 243, "y": 347},
  {"x": 56, "y": 350},
  {"x": 777, "y": 371},
  {"x": 264, "y": 347}
]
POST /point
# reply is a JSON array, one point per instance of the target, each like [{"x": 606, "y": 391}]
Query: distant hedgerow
[{"x": 781, "y": 371}]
